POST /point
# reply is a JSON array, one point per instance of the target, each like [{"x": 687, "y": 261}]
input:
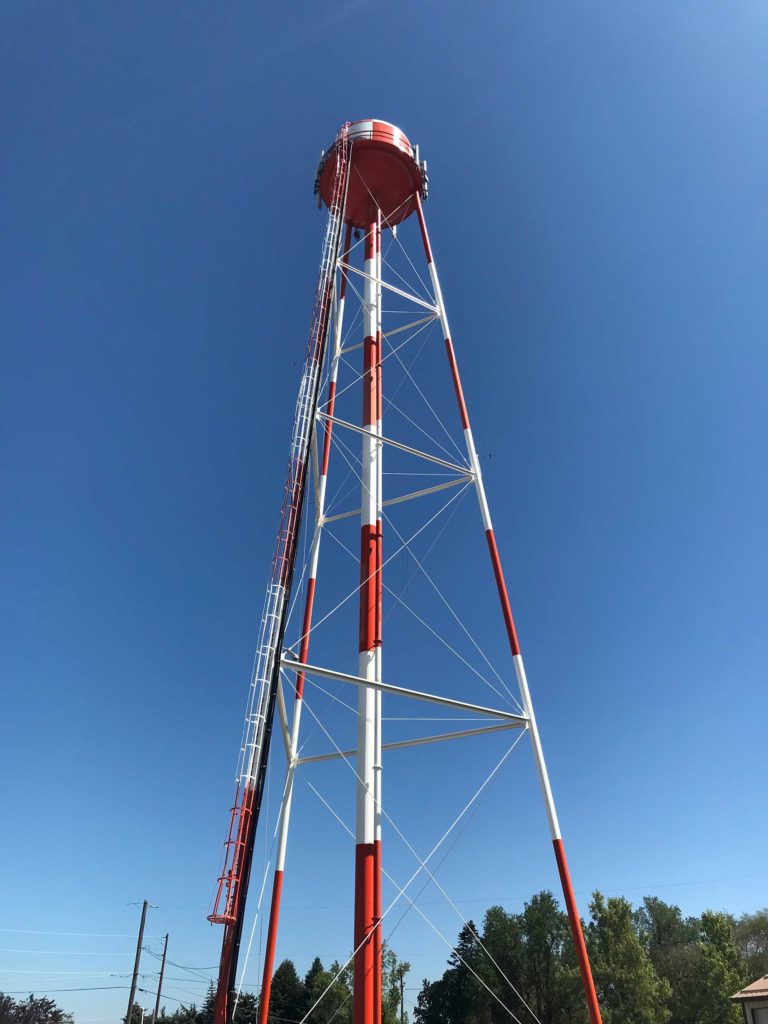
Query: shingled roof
[{"x": 757, "y": 990}]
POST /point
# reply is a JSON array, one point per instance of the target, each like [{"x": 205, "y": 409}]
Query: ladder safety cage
[{"x": 254, "y": 750}]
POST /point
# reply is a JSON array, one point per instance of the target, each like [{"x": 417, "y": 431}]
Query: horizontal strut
[
  {"x": 391, "y": 288},
  {"x": 415, "y": 743},
  {"x": 403, "y": 497},
  {"x": 464, "y": 470},
  {"x": 389, "y": 334},
  {"x": 400, "y": 691}
]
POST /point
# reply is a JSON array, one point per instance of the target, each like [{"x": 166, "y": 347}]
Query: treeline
[
  {"x": 32, "y": 1010},
  {"x": 650, "y": 964},
  {"x": 293, "y": 998}
]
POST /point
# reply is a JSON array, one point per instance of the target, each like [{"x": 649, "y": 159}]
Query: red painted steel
[
  {"x": 306, "y": 628},
  {"x": 364, "y": 965},
  {"x": 269, "y": 955},
  {"x": 385, "y": 176},
  {"x": 377, "y": 966},
  {"x": 501, "y": 587},
  {"x": 457, "y": 384},
  {"x": 593, "y": 1007}
]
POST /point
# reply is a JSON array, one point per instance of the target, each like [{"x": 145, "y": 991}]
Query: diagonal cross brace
[{"x": 401, "y": 691}]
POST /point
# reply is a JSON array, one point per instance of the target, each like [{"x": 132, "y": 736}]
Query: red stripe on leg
[
  {"x": 501, "y": 586},
  {"x": 457, "y": 384},
  {"x": 309, "y": 602},
  {"x": 368, "y": 586},
  {"x": 362, "y": 1000},
  {"x": 578, "y": 935},
  {"x": 377, "y": 941},
  {"x": 269, "y": 958}
]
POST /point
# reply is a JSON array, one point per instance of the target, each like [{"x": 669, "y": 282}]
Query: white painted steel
[
  {"x": 322, "y": 481},
  {"x": 365, "y": 815},
  {"x": 364, "y": 130},
  {"x": 391, "y": 287},
  {"x": 479, "y": 486},
  {"x": 400, "y": 691},
  {"x": 522, "y": 682},
  {"x": 377, "y": 766},
  {"x": 395, "y": 444},
  {"x": 419, "y": 742},
  {"x": 315, "y": 468},
  {"x": 408, "y": 327},
  {"x": 366, "y": 712},
  {"x": 468, "y": 439},
  {"x": 402, "y": 497},
  {"x": 258, "y": 696},
  {"x": 538, "y": 753}
]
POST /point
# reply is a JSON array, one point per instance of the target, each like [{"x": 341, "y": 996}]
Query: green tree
[
  {"x": 247, "y": 1008},
  {"x": 288, "y": 996},
  {"x": 628, "y": 987},
  {"x": 32, "y": 1010},
  {"x": 672, "y": 944},
  {"x": 548, "y": 973},
  {"x": 433, "y": 1005},
  {"x": 205, "y": 1014},
  {"x": 333, "y": 997},
  {"x": 520, "y": 960},
  {"x": 462, "y": 984},
  {"x": 181, "y": 1014},
  {"x": 503, "y": 939},
  {"x": 456, "y": 997},
  {"x": 315, "y": 981},
  {"x": 722, "y": 972},
  {"x": 662, "y": 927},
  {"x": 393, "y": 972},
  {"x": 751, "y": 935},
  {"x": 137, "y": 1013}
]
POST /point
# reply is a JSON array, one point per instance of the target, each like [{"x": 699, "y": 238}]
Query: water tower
[{"x": 371, "y": 181}]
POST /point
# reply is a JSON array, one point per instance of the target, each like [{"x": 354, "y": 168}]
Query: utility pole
[
  {"x": 136, "y": 962},
  {"x": 156, "y": 1010}
]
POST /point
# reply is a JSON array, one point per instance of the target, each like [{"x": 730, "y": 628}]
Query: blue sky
[{"x": 598, "y": 215}]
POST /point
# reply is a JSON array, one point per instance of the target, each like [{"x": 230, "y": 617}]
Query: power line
[
  {"x": 94, "y": 988},
  {"x": 68, "y": 974},
  {"x": 148, "y": 992},
  {"x": 90, "y": 935},
  {"x": 183, "y": 967},
  {"x": 61, "y": 952}
]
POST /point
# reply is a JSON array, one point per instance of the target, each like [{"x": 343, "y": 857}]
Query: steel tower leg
[
  {"x": 377, "y": 767},
  {"x": 538, "y": 754},
  {"x": 309, "y": 600},
  {"x": 365, "y": 966}
]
